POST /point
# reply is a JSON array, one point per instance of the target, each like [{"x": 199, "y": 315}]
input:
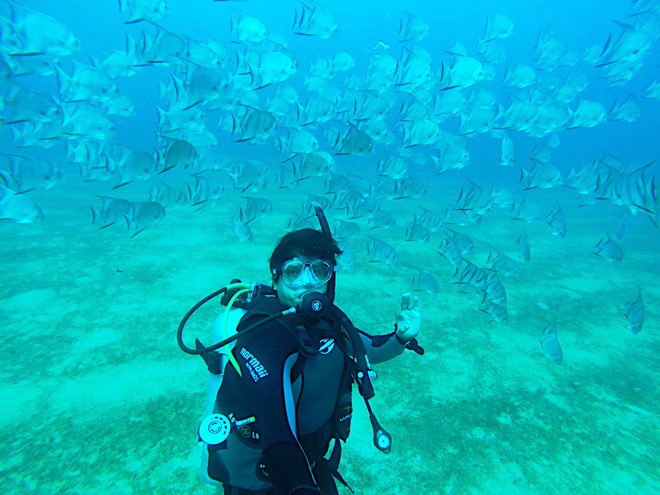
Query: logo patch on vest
[
  {"x": 254, "y": 366},
  {"x": 326, "y": 346}
]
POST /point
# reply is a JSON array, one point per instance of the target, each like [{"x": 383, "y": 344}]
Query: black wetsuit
[{"x": 282, "y": 405}]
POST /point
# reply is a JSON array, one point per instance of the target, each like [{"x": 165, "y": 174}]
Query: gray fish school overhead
[{"x": 403, "y": 107}]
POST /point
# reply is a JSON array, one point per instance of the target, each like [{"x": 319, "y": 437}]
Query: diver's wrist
[{"x": 398, "y": 338}]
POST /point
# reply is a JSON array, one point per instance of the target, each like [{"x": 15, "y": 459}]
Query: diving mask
[{"x": 298, "y": 273}]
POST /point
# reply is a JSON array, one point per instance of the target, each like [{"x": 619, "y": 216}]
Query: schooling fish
[
  {"x": 346, "y": 260},
  {"x": 241, "y": 227},
  {"x": 498, "y": 26},
  {"x": 450, "y": 250},
  {"x": 315, "y": 164},
  {"x": 503, "y": 264},
  {"x": 380, "y": 251},
  {"x": 608, "y": 249},
  {"x": 557, "y": 221},
  {"x": 143, "y": 215},
  {"x": 18, "y": 208},
  {"x": 429, "y": 219},
  {"x": 26, "y": 173},
  {"x": 247, "y": 29},
  {"x": 542, "y": 176},
  {"x": 144, "y": 10},
  {"x": 354, "y": 142},
  {"x": 550, "y": 344},
  {"x": 417, "y": 232},
  {"x": 523, "y": 248},
  {"x": 179, "y": 153},
  {"x": 31, "y": 33},
  {"x": 588, "y": 114},
  {"x": 634, "y": 312},
  {"x": 315, "y": 21},
  {"x": 111, "y": 211},
  {"x": 507, "y": 151},
  {"x": 425, "y": 282},
  {"x": 257, "y": 207},
  {"x": 413, "y": 28}
]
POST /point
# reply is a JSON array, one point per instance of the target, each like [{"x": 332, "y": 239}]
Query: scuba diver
[{"x": 281, "y": 386}]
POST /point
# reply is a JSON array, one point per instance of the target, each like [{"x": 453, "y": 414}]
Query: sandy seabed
[{"x": 97, "y": 398}]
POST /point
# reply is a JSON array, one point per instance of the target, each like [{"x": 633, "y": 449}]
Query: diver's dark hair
[{"x": 306, "y": 243}]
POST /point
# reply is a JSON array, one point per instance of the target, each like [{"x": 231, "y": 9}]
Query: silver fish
[
  {"x": 255, "y": 125},
  {"x": 393, "y": 166},
  {"x": 136, "y": 165},
  {"x": 542, "y": 175},
  {"x": 18, "y": 208},
  {"x": 381, "y": 252},
  {"x": 180, "y": 153},
  {"x": 346, "y": 259},
  {"x": 111, "y": 210},
  {"x": 315, "y": 164},
  {"x": 507, "y": 151},
  {"x": 26, "y": 173},
  {"x": 425, "y": 282},
  {"x": 344, "y": 229},
  {"x": 634, "y": 312},
  {"x": 429, "y": 220},
  {"x": 413, "y": 28},
  {"x": 247, "y": 29},
  {"x": 471, "y": 276},
  {"x": 494, "y": 289},
  {"x": 588, "y": 114},
  {"x": 557, "y": 221},
  {"x": 249, "y": 175},
  {"x": 463, "y": 241},
  {"x": 381, "y": 219},
  {"x": 315, "y": 21},
  {"x": 523, "y": 248},
  {"x": 498, "y": 312},
  {"x": 297, "y": 222},
  {"x": 417, "y": 232},
  {"x": 144, "y": 215},
  {"x": 241, "y": 227},
  {"x": 257, "y": 208},
  {"x": 409, "y": 187},
  {"x": 354, "y": 142},
  {"x": 144, "y": 10},
  {"x": 526, "y": 210},
  {"x": 608, "y": 249},
  {"x": 503, "y": 264},
  {"x": 32, "y": 33},
  {"x": 450, "y": 250},
  {"x": 498, "y": 26},
  {"x": 206, "y": 189},
  {"x": 167, "y": 195},
  {"x": 550, "y": 344}
]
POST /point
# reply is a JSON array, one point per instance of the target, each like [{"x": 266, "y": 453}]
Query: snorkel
[{"x": 325, "y": 228}]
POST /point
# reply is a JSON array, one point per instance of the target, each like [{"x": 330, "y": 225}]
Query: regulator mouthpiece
[{"x": 313, "y": 305}]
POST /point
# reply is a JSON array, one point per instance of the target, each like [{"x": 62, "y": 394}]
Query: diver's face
[{"x": 300, "y": 276}]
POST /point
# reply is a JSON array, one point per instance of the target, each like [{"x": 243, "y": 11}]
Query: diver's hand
[{"x": 408, "y": 320}]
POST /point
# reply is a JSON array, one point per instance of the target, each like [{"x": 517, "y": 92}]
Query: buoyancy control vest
[
  {"x": 252, "y": 308},
  {"x": 215, "y": 429}
]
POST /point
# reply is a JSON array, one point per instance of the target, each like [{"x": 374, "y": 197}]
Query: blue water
[{"x": 96, "y": 397}]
